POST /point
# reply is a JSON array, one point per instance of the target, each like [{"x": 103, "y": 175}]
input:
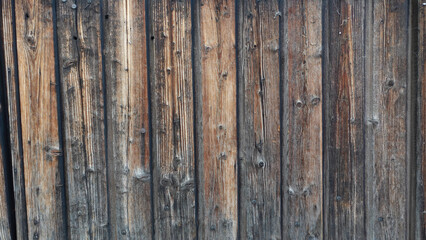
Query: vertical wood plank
[
  {"x": 13, "y": 108},
  {"x": 344, "y": 138},
  {"x": 82, "y": 94},
  {"x": 172, "y": 120},
  {"x": 6, "y": 206},
  {"x": 127, "y": 111},
  {"x": 39, "y": 117},
  {"x": 217, "y": 167},
  {"x": 302, "y": 120},
  {"x": 420, "y": 64},
  {"x": 259, "y": 120},
  {"x": 387, "y": 158}
]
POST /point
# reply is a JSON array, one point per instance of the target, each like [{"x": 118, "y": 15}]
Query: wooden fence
[{"x": 213, "y": 119}]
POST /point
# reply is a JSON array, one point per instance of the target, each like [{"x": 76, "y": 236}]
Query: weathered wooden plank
[
  {"x": 217, "y": 160},
  {"x": 172, "y": 119},
  {"x": 387, "y": 157},
  {"x": 302, "y": 120},
  {"x": 128, "y": 125},
  {"x": 15, "y": 139},
  {"x": 419, "y": 29},
  {"x": 82, "y": 94},
  {"x": 259, "y": 120},
  {"x": 6, "y": 204},
  {"x": 39, "y": 119},
  {"x": 344, "y": 120}
]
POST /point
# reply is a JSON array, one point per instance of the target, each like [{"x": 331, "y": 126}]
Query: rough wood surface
[
  {"x": 80, "y": 69},
  {"x": 39, "y": 120},
  {"x": 172, "y": 120},
  {"x": 128, "y": 124},
  {"x": 259, "y": 120},
  {"x": 302, "y": 120},
  {"x": 5, "y": 202},
  {"x": 344, "y": 120},
  {"x": 12, "y": 92},
  {"x": 420, "y": 64},
  {"x": 218, "y": 165},
  {"x": 386, "y": 159}
]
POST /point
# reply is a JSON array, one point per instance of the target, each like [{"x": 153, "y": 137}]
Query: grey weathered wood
[
  {"x": 172, "y": 119},
  {"x": 419, "y": 67},
  {"x": 302, "y": 120},
  {"x": 259, "y": 120},
  {"x": 128, "y": 126},
  {"x": 344, "y": 80},
  {"x": 13, "y": 108},
  {"x": 217, "y": 160},
  {"x": 39, "y": 120},
  {"x": 387, "y": 151},
  {"x": 80, "y": 69}
]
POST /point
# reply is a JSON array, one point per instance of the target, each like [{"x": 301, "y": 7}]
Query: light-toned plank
[
  {"x": 39, "y": 119},
  {"x": 12, "y": 92},
  {"x": 82, "y": 96},
  {"x": 302, "y": 120},
  {"x": 128, "y": 125},
  {"x": 217, "y": 159},
  {"x": 387, "y": 158},
  {"x": 344, "y": 121},
  {"x": 259, "y": 120},
  {"x": 172, "y": 120}
]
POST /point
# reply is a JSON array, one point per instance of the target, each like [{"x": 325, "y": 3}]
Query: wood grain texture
[
  {"x": 259, "y": 120},
  {"x": 344, "y": 116},
  {"x": 5, "y": 200},
  {"x": 217, "y": 167},
  {"x": 82, "y": 94},
  {"x": 15, "y": 139},
  {"x": 39, "y": 119},
  {"x": 420, "y": 64},
  {"x": 128, "y": 124},
  {"x": 302, "y": 120},
  {"x": 172, "y": 119},
  {"x": 387, "y": 160}
]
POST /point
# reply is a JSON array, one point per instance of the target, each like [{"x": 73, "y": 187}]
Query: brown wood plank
[
  {"x": 127, "y": 111},
  {"x": 259, "y": 120},
  {"x": 12, "y": 91},
  {"x": 39, "y": 119},
  {"x": 6, "y": 206},
  {"x": 217, "y": 159},
  {"x": 172, "y": 119},
  {"x": 420, "y": 64},
  {"x": 82, "y": 94},
  {"x": 387, "y": 158},
  {"x": 302, "y": 120},
  {"x": 344, "y": 121}
]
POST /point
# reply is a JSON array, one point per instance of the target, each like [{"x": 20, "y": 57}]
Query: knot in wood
[
  {"x": 299, "y": 104},
  {"x": 166, "y": 181},
  {"x": 315, "y": 100}
]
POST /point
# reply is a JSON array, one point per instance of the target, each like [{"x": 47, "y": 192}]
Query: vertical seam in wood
[
  {"x": 238, "y": 73},
  {"x": 281, "y": 41},
  {"x": 61, "y": 165},
  {"x": 7, "y": 156},
  {"x": 412, "y": 115},
  {"x": 105, "y": 121},
  {"x": 19, "y": 125},
  {"x": 324, "y": 60},
  {"x": 148, "y": 26},
  {"x": 194, "y": 51}
]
